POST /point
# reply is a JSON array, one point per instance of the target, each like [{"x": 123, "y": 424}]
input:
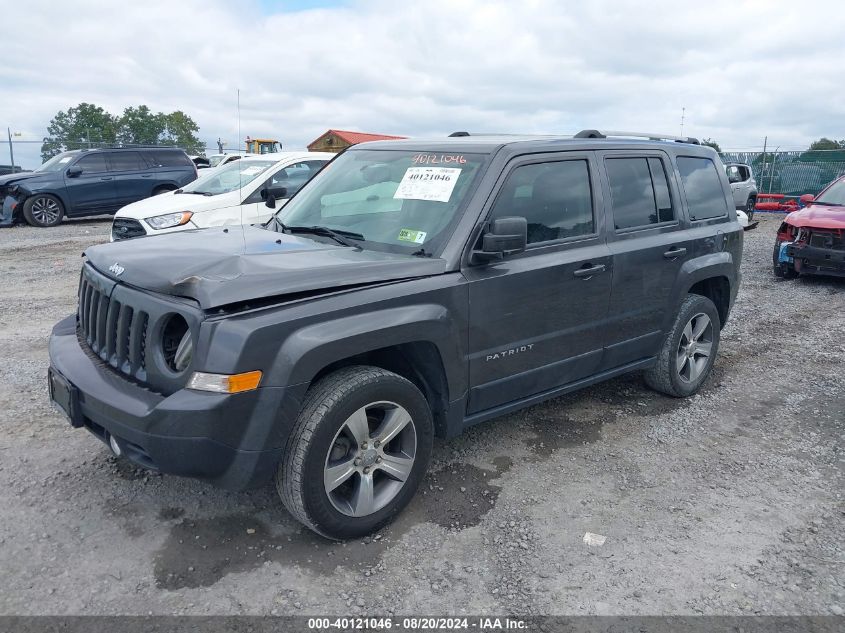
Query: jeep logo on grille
[{"x": 117, "y": 269}]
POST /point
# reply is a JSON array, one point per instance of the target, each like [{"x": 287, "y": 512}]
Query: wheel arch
[
  {"x": 714, "y": 276},
  {"x": 26, "y": 194},
  {"x": 418, "y": 342}
]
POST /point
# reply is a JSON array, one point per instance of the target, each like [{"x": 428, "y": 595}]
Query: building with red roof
[{"x": 339, "y": 140}]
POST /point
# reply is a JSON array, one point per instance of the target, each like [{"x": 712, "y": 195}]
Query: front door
[
  {"x": 538, "y": 318},
  {"x": 93, "y": 189}
]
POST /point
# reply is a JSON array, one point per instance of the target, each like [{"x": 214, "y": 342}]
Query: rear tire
[
  {"x": 43, "y": 210},
  {"x": 689, "y": 350},
  {"x": 749, "y": 208},
  {"x": 357, "y": 452}
]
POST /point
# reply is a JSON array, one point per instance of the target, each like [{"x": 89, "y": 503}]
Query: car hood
[
  {"x": 11, "y": 179},
  {"x": 171, "y": 202},
  {"x": 218, "y": 266},
  {"x": 818, "y": 216}
]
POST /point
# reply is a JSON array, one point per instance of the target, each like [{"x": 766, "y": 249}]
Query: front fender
[
  {"x": 26, "y": 190},
  {"x": 310, "y": 349}
]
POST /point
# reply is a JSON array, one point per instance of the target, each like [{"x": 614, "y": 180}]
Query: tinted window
[
  {"x": 639, "y": 192},
  {"x": 167, "y": 159},
  {"x": 554, "y": 198},
  {"x": 665, "y": 213},
  {"x": 126, "y": 161},
  {"x": 93, "y": 163},
  {"x": 705, "y": 196}
]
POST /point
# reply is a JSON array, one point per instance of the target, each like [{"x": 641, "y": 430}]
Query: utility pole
[
  {"x": 11, "y": 149},
  {"x": 763, "y": 174}
]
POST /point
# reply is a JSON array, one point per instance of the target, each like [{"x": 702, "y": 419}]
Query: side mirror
[
  {"x": 73, "y": 171},
  {"x": 270, "y": 194},
  {"x": 807, "y": 198},
  {"x": 506, "y": 236}
]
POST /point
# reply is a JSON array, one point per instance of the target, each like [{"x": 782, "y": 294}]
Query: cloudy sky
[{"x": 741, "y": 69}]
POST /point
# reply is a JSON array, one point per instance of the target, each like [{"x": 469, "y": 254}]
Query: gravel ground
[{"x": 730, "y": 502}]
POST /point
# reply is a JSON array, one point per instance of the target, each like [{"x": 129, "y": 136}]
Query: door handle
[
  {"x": 586, "y": 273},
  {"x": 675, "y": 253},
  {"x": 107, "y": 178},
  {"x": 146, "y": 175}
]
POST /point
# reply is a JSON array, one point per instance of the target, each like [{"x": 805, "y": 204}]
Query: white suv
[
  {"x": 246, "y": 191},
  {"x": 743, "y": 187}
]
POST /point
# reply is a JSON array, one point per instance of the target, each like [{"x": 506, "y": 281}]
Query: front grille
[
  {"x": 114, "y": 331},
  {"x": 827, "y": 239},
  {"x": 126, "y": 228}
]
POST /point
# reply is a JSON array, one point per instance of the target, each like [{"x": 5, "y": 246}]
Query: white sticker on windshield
[
  {"x": 252, "y": 170},
  {"x": 428, "y": 183},
  {"x": 66, "y": 159}
]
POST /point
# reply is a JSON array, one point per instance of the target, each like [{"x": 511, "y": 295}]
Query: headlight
[{"x": 169, "y": 220}]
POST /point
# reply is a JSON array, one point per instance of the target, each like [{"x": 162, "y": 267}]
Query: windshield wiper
[
  {"x": 338, "y": 235},
  {"x": 828, "y": 204},
  {"x": 196, "y": 193}
]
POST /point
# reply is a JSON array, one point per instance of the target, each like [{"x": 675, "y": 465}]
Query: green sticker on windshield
[{"x": 409, "y": 235}]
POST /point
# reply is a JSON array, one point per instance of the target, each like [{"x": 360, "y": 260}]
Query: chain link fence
[{"x": 792, "y": 173}]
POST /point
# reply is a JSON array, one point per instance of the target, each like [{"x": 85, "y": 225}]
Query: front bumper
[
  {"x": 812, "y": 260},
  {"x": 233, "y": 440}
]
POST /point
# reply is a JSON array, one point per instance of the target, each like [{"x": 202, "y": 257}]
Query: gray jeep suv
[{"x": 412, "y": 288}]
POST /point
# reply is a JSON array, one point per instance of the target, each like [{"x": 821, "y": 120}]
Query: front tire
[
  {"x": 689, "y": 350},
  {"x": 43, "y": 210},
  {"x": 357, "y": 453}
]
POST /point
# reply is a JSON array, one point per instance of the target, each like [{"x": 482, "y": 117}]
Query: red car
[{"x": 811, "y": 241}]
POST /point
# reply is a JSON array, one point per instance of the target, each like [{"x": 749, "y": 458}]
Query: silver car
[{"x": 743, "y": 187}]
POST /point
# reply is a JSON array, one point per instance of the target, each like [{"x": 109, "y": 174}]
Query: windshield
[
  {"x": 229, "y": 177},
  {"x": 216, "y": 159},
  {"x": 59, "y": 161},
  {"x": 399, "y": 201},
  {"x": 835, "y": 194}
]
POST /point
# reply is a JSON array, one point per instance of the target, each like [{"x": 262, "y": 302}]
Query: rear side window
[
  {"x": 703, "y": 188},
  {"x": 126, "y": 161},
  {"x": 639, "y": 192},
  {"x": 555, "y": 199},
  {"x": 92, "y": 164},
  {"x": 168, "y": 159}
]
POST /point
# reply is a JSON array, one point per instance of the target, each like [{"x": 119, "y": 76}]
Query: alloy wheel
[
  {"x": 370, "y": 458},
  {"x": 695, "y": 347},
  {"x": 45, "y": 210}
]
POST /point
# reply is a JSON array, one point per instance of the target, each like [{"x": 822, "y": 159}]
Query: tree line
[{"x": 89, "y": 125}]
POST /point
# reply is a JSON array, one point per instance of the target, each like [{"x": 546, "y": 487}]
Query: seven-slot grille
[{"x": 116, "y": 332}]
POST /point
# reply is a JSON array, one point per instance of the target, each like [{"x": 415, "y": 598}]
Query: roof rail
[
  {"x": 648, "y": 135},
  {"x": 454, "y": 134}
]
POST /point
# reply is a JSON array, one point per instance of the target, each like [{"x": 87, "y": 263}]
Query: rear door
[
  {"x": 537, "y": 319},
  {"x": 649, "y": 242},
  {"x": 132, "y": 178},
  {"x": 93, "y": 189}
]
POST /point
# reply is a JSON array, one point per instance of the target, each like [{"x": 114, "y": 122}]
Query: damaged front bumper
[
  {"x": 815, "y": 260},
  {"x": 8, "y": 209}
]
